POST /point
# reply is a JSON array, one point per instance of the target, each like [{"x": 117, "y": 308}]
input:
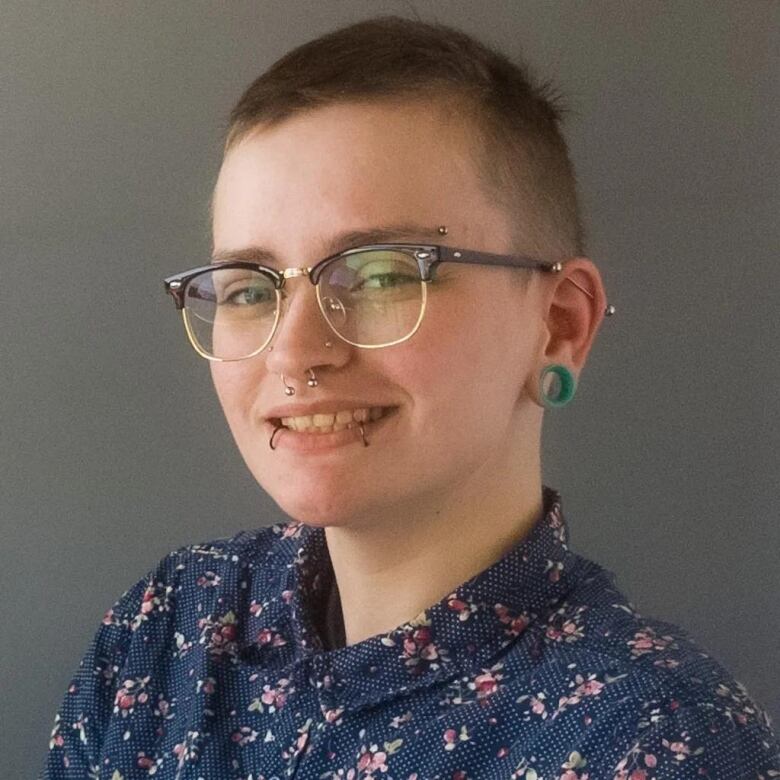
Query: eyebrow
[{"x": 348, "y": 239}]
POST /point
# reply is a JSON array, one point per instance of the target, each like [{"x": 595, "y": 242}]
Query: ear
[{"x": 571, "y": 318}]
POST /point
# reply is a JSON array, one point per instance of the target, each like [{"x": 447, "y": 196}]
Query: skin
[{"x": 455, "y": 482}]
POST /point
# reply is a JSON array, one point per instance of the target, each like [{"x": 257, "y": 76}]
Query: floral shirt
[{"x": 228, "y": 662}]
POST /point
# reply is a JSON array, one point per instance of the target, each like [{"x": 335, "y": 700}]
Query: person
[{"x": 398, "y": 291}]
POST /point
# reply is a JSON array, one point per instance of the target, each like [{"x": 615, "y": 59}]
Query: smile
[{"x": 335, "y": 421}]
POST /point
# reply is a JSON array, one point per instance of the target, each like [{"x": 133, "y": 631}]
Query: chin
[{"x": 315, "y": 506}]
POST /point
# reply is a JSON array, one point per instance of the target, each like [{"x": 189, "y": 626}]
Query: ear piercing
[{"x": 567, "y": 386}]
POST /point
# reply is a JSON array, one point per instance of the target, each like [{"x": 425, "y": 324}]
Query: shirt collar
[{"x": 464, "y": 630}]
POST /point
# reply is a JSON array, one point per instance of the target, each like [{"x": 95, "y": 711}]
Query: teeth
[{"x": 325, "y": 423}]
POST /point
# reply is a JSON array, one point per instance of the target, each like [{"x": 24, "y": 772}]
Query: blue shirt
[{"x": 228, "y": 662}]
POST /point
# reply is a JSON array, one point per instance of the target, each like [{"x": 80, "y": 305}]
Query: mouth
[{"x": 320, "y": 424}]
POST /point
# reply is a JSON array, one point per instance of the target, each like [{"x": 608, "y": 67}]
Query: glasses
[{"x": 371, "y": 296}]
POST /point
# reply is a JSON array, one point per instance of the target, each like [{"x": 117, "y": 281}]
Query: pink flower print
[
  {"x": 464, "y": 608},
  {"x": 590, "y": 687},
  {"x": 208, "y": 579},
  {"x": 293, "y": 528},
  {"x": 255, "y": 608},
  {"x": 647, "y": 641},
  {"x": 147, "y": 605},
  {"x": 272, "y": 698},
  {"x": 680, "y": 749},
  {"x": 371, "y": 760},
  {"x": 417, "y": 647},
  {"x": 332, "y": 716},
  {"x": 515, "y": 624},
  {"x": 151, "y": 765},
  {"x": 219, "y": 635},
  {"x": 452, "y": 737},
  {"x": 244, "y": 736},
  {"x": 130, "y": 693},
  {"x": 485, "y": 684},
  {"x": 399, "y": 720},
  {"x": 268, "y": 637},
  {"x": 538, "y": 707}
]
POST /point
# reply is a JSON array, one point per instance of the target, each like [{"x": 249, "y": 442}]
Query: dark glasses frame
[{"x": 427, "y": 256}]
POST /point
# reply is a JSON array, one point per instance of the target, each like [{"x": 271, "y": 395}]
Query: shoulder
[
  {"x": 202, "y": 565},
  {"x": 646, "y": 696}
]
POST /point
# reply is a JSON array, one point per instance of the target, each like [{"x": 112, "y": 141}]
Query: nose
[{"x": 299, "y": 341}]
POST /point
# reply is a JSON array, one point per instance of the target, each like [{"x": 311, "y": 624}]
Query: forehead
[{"x": 352, "y": 166}]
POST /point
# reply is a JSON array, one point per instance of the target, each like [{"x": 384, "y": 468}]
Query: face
[{"x": 457, "y": 385}]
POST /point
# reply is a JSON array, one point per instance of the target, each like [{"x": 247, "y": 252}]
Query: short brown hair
[{"x": 520, "y": 153}]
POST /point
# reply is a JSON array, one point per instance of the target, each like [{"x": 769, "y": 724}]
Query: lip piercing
[
  {"x": 287, "y": 389},
  {"x": 312, "y": 382},
  {"x": 278, "y": 427}
]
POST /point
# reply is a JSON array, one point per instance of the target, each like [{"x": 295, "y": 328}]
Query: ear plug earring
[{"x": 567, "y": 386}]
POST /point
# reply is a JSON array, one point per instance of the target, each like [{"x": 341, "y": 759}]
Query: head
[{"x": 396, "y": 122}]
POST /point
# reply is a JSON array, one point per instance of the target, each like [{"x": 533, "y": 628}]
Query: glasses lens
[
  {"x": 373, "y": 297},
  {"x": 230, "y": 312}
]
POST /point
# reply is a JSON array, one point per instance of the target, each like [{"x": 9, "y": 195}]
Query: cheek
[{"x": 236, "y": 385}]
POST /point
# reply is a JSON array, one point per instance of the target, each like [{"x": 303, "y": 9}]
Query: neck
[{"x": 392, "y": 569}]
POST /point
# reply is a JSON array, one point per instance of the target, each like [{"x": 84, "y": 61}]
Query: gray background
[{"x": 114, "y": 450}]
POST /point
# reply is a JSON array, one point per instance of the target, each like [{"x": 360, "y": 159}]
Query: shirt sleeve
[{"x": 83, "y": 716}]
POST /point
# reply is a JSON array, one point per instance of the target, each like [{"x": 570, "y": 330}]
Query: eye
[
  {"x": 247, "y": 295},
  {"x": 382, "y": 270},
  {"x": 384, "y": 275}
]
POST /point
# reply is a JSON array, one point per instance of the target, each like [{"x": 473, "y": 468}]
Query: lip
[{"x": 312, "y": 443}]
